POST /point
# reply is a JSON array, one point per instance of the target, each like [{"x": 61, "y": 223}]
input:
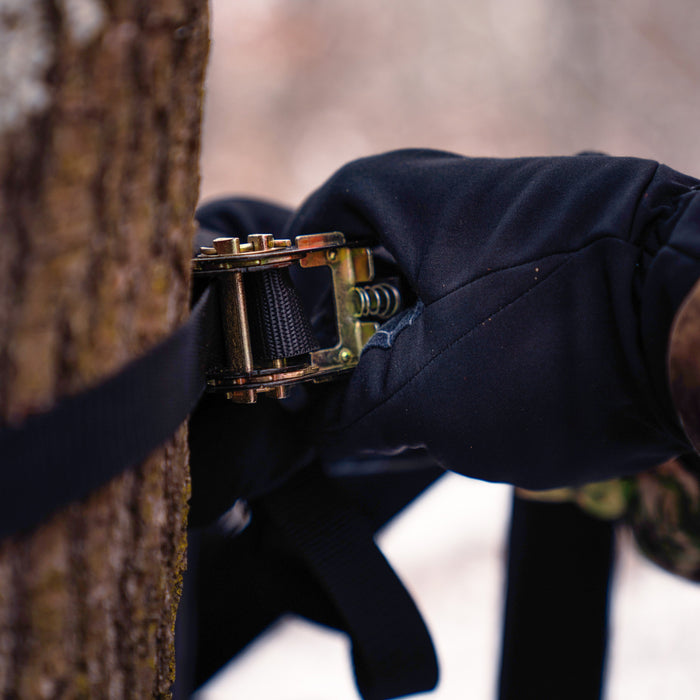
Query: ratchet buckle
[{"x": 359, "y": 307}]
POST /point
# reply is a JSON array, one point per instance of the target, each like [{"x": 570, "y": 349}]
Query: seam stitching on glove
[
  {"x": 638, "y": 208},
  {"x": 682, "y": 252},
  {"x": 534, "y": 261},
  {"x": 472, "y": 328}
]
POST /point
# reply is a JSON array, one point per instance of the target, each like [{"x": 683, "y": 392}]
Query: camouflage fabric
[
  {"x": 661, "y": 507},
  {"x": 664, "y": 515},
  {"x": 607, "y": 500}
]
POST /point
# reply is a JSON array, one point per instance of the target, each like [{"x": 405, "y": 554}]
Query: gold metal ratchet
[{"x": 355, "y": 299}]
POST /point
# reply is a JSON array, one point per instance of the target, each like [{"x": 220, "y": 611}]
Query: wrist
[{"x": 684, "y": 365}]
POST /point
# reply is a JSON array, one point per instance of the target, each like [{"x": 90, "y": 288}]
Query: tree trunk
[{"x": 100, "y": 104}]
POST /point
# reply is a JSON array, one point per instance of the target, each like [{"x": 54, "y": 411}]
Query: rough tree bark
[{"x": 100, "y": 104}]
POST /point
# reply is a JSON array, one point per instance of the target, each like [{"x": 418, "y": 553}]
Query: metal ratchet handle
[{"x": 355, "y": 300}]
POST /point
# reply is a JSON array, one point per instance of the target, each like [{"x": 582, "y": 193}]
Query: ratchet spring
[{"x": 381, "y": 300}]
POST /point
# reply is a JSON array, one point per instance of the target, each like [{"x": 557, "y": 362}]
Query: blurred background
[
  {"x": 295, "y": 89},
  {"x": 298, "y": 87}
]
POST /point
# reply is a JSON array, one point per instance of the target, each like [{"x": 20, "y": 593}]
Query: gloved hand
[
  {"x": 248, "y": 451},
  {"x": 546, "y": 287}
]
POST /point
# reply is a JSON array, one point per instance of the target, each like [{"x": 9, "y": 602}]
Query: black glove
[
  {"x": 248, "y": 451},
  {"x": 536, "y": 352}
]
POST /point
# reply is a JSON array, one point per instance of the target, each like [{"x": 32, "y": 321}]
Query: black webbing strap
[
  {"x": 393, "y": 654},
  {"x": 555, "y": 625},
  {"x": 62, "y": 455},
  {"x": 279, "y": 327}
]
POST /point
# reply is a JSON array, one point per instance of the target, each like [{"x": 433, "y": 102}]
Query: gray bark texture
[{"x": 100, "y": 109}]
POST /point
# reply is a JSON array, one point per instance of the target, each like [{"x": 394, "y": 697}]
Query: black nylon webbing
[
  {"x": 392, "y": 651},
  {"x": 61, "y": 456},
  {"x": 560, "y": 562},
  {"x": 279, "y": 326}
]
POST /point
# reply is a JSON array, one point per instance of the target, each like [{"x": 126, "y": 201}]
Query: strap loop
[
  {"x": 62, "y": 455},
  {"x": 393, "y": 654}
]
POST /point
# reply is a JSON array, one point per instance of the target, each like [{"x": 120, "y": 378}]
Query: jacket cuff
[{"x": 684, "y": 365}]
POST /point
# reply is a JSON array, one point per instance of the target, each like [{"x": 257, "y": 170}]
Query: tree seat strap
[
  {"x": 393, "y": 654},
  {"x": 85, "y": 440}
]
